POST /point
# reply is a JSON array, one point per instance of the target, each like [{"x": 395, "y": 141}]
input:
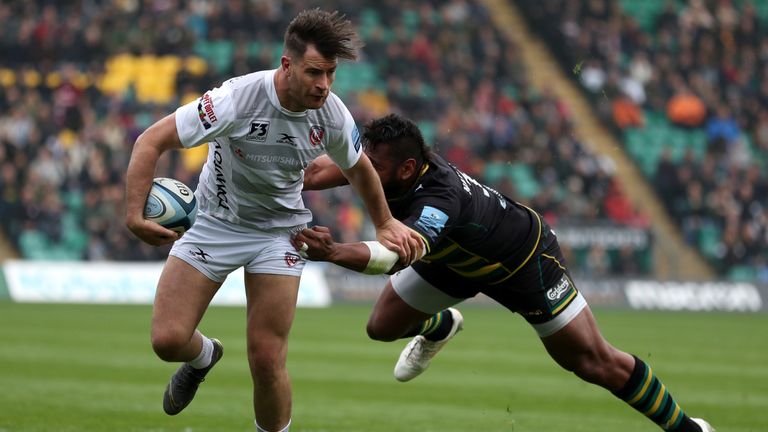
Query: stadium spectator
[
  {"x": 626, "y": 113},
  {"x": 723, "y": 126},
  {"x": 686, "y": 109}
]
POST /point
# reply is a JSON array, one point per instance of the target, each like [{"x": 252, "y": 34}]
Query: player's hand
[
  {"x": 397, "y": 237},
  {"x": 150, "y": 232},
  {"x": 314, "y": 243}
]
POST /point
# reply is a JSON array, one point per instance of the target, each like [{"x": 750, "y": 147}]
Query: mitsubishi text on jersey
[{"x": 257, "y": 150}]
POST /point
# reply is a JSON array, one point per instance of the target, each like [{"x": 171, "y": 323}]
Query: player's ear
[
  {"x": 408, "y": 168},
  {"x": 285, "y": 63}
]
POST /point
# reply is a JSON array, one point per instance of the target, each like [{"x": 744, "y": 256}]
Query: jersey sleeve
[
  {"x": 206, "y": 118},
  {"x": 345, "y": 149},
  {"x": 433, "y": 216}
]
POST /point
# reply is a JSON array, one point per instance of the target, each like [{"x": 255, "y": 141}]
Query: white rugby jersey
[{"x": 258, "y": 150}]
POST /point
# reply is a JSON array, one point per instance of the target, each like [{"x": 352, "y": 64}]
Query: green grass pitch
[{"x": 91, "y": 368}]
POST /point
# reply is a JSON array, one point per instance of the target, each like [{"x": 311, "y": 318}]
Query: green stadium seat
[
  {"x": 742, "y": 273},
  {"x": 217, "y": 53},
  {"x": 355, "y": 77},
  {"x": 411, "y": 21},
  {"x": 277, "y": 52},
  {"x": 73, "y": 200},
  {"x": 254, "y": 49},
  {"x": 494, "y": 171},
  {"x": 62, "y": 253},
  {"x": 74, "y": 239},
  {"x": 429, "y": 131},
  {"x": 709, "y": 240},
  {"x": 369, "y": 17},
  {"x": 644, "y": 11},
  {"x": 33, "y": 244},
  {"x": 523, "y": 178}
]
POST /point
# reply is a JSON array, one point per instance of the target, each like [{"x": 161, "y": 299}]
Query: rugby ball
[{"x": 171, "y": 204}]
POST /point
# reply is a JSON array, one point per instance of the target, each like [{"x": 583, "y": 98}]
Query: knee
[
  {"x": 167, "y": 343},
  {"x": 266, "y": 360}
]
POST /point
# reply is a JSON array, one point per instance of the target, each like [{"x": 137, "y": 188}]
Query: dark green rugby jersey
[{"x": 467, "y": 226}]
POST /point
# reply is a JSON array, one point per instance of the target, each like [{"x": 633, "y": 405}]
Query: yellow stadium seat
[
  {"x": 194, "y": 158},
  {"x": 195, "y": 65},
  {"x": 7, "y": 77}
]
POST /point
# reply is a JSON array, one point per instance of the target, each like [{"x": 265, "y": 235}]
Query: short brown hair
[{"x": 330, "y": 32}]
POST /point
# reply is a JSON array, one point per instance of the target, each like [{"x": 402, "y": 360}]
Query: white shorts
[
  {"x": 216, "y": 248},
  {"x": 423, "y": 296}
]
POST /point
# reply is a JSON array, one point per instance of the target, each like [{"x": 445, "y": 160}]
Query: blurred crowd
[
  {"x": 68, "y": 121},
  {"x": 700, "y": 65}
]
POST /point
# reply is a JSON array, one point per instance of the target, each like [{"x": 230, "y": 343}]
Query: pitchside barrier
[
  {"x": 347, "y": 286},
  {"x": 96, "y": 282},
  {"x": 322, "y": 284}
]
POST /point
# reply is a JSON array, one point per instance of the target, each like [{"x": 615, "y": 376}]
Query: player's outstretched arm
[
  {"x": 392, "y": 233},
  {"x": 158, "y": 138},
  {"x": 317, "y": 244}
]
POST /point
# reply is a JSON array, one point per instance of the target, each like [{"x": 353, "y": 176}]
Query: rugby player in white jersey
[{"x": 262, "y": 130}]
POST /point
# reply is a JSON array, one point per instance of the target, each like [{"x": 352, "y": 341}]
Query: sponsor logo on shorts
[
  {"x": 291, "y": 259},
  {"x": 205, "y": 111},
  {"x": 536, "y": 312},
  {"x": 557, "y": 291},
  {"x": 258, "y": 131},
  {"x": 316, "y": 134},
  {"x": 200, "y": 254}
]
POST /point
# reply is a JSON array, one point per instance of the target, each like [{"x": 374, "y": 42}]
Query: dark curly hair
[
  {"x": 330, "y": 32},
  {"x": 402, "y": 137}
]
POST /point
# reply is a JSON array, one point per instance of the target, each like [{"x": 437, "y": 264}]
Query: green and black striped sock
[
  {"x": 435, "y": 328},
  {"x": 647, "y": 394}
]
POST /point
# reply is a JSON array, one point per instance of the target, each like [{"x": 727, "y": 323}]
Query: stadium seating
[
  {"x": 415, "y": 62},
  {"x": 683, "y": 48}
]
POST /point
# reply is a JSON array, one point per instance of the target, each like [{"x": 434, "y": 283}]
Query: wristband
[{"x": 382, "y": 259}]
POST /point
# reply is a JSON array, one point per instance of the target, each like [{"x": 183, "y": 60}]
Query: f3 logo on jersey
[{"x": 258, "y": 132}]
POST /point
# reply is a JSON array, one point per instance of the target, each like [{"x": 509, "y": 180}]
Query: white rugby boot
[
  {"x": 417, "y": 354},
  {"x": 705, "y": 427}
]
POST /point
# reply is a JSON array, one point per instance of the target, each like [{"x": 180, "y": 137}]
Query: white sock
[
  {"x": 203, "y": 359},
  {"x": 260, "y": 429}
]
